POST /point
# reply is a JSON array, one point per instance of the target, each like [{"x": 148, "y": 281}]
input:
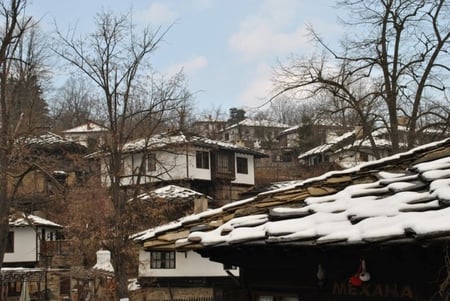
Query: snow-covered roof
[
  {"x": 176, "y": 139},
  {"x": 290, "y": 130},
  {"x": 89, "y": 127},
  {"x": 327, "y": 146},
  {"x": 20, "y": 219},
  {"x": 51, "y": 139},
  {"x": 401, "y": 198},
  {"x": 171, "y": 192},
  {"x": 258, "y": 123}
]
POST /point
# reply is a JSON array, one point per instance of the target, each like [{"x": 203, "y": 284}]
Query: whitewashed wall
[
  {"x": 25, "y": 245},
  {"x": 175, "y": 165},
  {"x": 248, "y": 178},
  {"x": 188, "y": 264}
]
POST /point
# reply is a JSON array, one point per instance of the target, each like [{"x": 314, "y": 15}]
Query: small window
[
  {"x": 202, "y": 160},
  {"x": 227, "y": 136},
  {"x": 151, "y": 162},
  {"x": 10, "y": 243},
  {"x": 242, "y": 165},
  {"x": 162, "y": 260}
]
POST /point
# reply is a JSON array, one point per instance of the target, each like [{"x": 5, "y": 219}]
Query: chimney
[
  {"x": 103, "y": 261},
  {"x": 403, "y": 121},
  {"x": 359, "y": 132},
  {"x": 200, "y": 204}
]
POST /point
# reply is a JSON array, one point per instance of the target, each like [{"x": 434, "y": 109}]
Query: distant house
[
  {"x": 166, "y": 275},
  {"x": 218, "y": 169},
  {"x": 254, "y": 133},
  {"x": 47, "y": 165},
  {"x": 376, "y": 231},
  {"x": 89, "y": 134},
  {"x": 347, "y": 150},
  {"x": 209, "y": 128}
]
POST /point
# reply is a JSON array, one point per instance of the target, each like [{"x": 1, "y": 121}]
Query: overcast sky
[{"x": 227, "y": 48}]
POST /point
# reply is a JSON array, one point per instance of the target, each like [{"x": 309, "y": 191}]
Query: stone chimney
[
  {"x": 403, "y": 121},
  {"x": 200, "y": 204},
  {"x": 359, "y": 132}
]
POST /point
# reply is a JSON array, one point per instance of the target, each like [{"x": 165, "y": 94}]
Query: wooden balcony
[{"x": 56, "y": 253}]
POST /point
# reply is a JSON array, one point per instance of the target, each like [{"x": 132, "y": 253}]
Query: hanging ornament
[
  {"x": 361, "y": 275},
  {"x": 364, "y": 275},
  {"x": 320, "y": 273}
]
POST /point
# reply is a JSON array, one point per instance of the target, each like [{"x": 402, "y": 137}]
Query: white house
[
  {"x": 219, "y": 169},
  {"x": 28, "y": 237},
  {"x": 88, "y": 134},
  {"x": 186, "y": 275}
]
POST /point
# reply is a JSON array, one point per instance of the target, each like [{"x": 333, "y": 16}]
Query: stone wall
[{"x": 173, "y": 294}]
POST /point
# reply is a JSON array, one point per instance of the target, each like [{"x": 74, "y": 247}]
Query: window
[
  {"x": 225, "y": 163},
  {"x": 227, "y": 136},
  {"x": 202, "y": 160},
  {"x": 10, "y": 243},
  {"x": 242, "y": 165},
  {"x": 151, "y": 162},
  {"x": 162, "y": 260}
]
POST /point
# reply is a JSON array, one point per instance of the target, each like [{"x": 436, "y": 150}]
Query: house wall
[
  {"x": 188, "y": 264},
  {"x": 25, "y": 246},
  {"x": 174, "y": 165},
  {"x": 248, "y": 178}
]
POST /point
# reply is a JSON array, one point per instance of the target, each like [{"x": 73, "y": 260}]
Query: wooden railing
[{"x": 56, "y": 247}]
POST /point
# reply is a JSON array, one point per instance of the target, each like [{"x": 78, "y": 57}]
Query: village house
[
  {"x": 166, "y": 275},
  {"x": 29, "y": 238},
  {"x": 35, "y": 259},
  {"x": 217, "y": 169},
  {"x": 90, "y": 134},
  {"x": 48, "y": 164},
  {"x": 377, "y": 231},
  {"x": 348, "y": 149},
  {"x": 209, "y": 128},
  {"x": 257, "y": 134}
]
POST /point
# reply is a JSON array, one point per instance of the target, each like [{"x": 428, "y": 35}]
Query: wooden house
[
  {"x": 377, "y": 231},
  {"x": 218, "y": 169},
  {"x": 186, "y": 276},
  {"x": 35, "y": 260},
  {"x": 254, "y": 133}
]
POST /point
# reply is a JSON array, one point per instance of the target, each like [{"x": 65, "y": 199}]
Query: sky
[{"x": 226, "y": 48}]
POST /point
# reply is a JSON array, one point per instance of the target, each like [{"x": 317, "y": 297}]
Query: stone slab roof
[
  {"x": 398, "y": 199},
  {"x": 165, "y": 140}
]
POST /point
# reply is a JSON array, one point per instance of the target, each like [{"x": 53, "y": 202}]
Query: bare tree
[
  {"x": 14, "y": 25},
  {"x": 74, "y": 103},
  {"x": 397, "y": 60},
  {"x": 116, "y": 59}
]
